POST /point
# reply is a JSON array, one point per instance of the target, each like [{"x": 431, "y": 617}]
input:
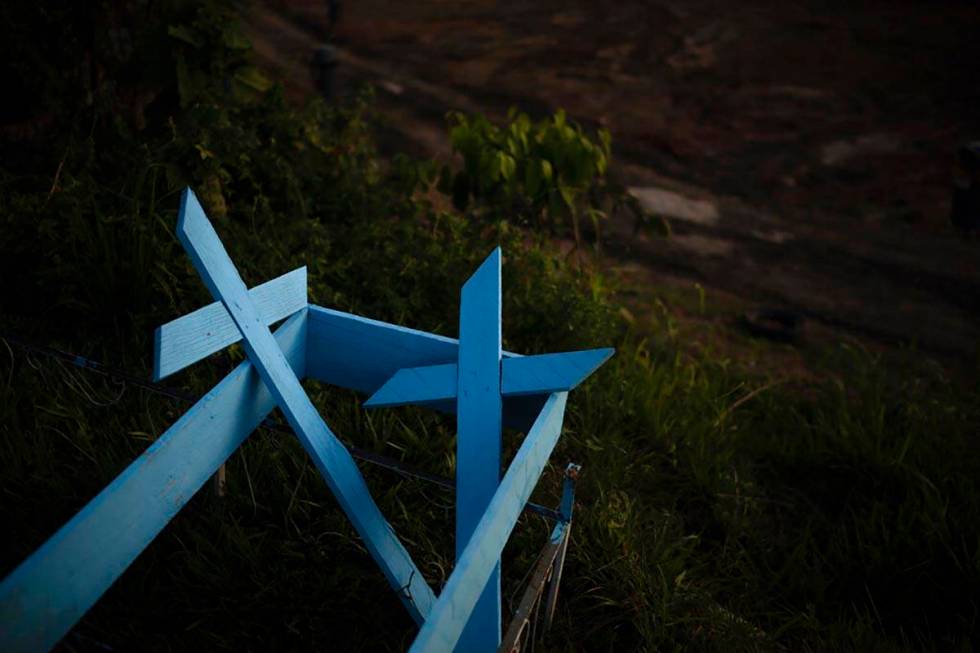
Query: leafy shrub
[{"x": 547, "y": 175}]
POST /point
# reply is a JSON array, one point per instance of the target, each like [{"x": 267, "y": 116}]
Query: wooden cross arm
[
  {"x": 331, "y": 458},
  {"x": 524, "y": 375},
  {"x": 192, "y": 337}
]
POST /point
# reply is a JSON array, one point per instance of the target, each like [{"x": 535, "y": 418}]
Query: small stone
[{"x": 674, "y": 205}]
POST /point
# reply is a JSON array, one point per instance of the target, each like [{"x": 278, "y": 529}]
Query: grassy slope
[{"x": 716, "y": 511}]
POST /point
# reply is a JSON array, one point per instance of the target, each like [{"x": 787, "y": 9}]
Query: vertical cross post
[{"x": 478, "y": 435}]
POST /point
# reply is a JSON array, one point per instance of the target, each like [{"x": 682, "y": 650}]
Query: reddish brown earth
[{"x": 802, "y": 151}]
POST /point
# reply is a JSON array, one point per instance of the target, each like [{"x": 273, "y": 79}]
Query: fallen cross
[{"x": 486, "y": 387}]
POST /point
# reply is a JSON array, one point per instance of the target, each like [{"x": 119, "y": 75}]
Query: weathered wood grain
[{"x": 192, "y": 337}]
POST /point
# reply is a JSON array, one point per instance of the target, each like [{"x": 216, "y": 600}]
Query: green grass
[
  {"x": 716, "y": 510},
  {"x": 846, "y": 520}
]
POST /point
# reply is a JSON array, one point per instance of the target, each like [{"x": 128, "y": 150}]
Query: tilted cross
[
  {"x": 50, "y": 591},
  {"x": 478, "y": 383}
]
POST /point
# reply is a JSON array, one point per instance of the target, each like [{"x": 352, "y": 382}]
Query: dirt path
[{"x": 802, "y": 154}]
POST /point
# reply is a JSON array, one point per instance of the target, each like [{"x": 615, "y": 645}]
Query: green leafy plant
[
  {"x": 548, "y": 175},
  {"x": 211, "y": 47}
]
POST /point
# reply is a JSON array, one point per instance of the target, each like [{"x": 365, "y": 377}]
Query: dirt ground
[{"x": 802, "y": 151}]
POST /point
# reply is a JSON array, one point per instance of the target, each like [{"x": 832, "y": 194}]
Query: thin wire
[
  {"x": 269, "y": 424},
  {"x": 83, "y": 387},
  {"x": 527, "y": 574},
  {"x": 535, "y": 612}
]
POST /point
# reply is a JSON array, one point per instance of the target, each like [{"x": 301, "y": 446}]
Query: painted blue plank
[
  {"x": 568, "y": 491},
  {"x": 188, "y": 339},
  {"x": 479, "y": 415},
  {"x": 43, "y": 598},
  {"x": 417, "y": 385},
  {"x": 359, "y": 353},
  {"x": 442, "y": 629},
  {"x": 330, "y": 456},
  {"x": 548, "y": 373},
  {"x": 524, "y": 375}
]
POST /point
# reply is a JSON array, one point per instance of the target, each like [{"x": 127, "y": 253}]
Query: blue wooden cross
[
  {"x": 478, "y": 384},
  {"x": 50, "y": 591}
]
